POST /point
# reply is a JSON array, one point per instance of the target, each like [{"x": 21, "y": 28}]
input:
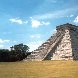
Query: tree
[
  {"x": 17, "y": 53},
  {"x": 20, "y": 47},
  {"x": 4, "y": 55},
  {"x": 20, "y": 50}
]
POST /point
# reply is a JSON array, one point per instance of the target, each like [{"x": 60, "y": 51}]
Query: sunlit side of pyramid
[{"x": 63, "y": 45}]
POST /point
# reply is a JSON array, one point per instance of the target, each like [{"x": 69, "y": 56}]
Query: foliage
[
  {"x": 20, "y": 47},
  {"x": 17, "y": 53}
]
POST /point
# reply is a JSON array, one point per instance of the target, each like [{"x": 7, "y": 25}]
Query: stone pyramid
[{"x": 63, "y": 45}]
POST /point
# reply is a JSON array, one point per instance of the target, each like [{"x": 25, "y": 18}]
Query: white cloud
[
  {"x": 45, "y": 23},
  {"x": 71, "y": 15},
  {"x": 56, "y": 14},
  {"x": 34, "y": 45},
  {"x": 1, "y": 46},
  {"x": 17, "y": 20},
  {"x": 4, "y": 41},
  {"x": 54, "y": 31},
  {"x": 14, "y": 41},
  {"x": 76, "y": 20},
  {"x": 35, "y": 36},
  {"x": 4, "y": 47},
  {"x": 36, "y": 23},
  {"x": 25, "y": 22}
]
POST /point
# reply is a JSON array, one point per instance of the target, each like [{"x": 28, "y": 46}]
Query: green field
[{"x": 44, "y": 69}]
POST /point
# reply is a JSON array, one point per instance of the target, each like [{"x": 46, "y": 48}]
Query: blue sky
[{"x": 32, "y": 22}]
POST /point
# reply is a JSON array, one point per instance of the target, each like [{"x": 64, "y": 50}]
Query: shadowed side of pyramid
[
  {"x": 61, "y": 46},
  {"x": 74, "y": 42}
]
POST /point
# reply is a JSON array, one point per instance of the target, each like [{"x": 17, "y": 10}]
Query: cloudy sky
[{"x": 32, "y": 22}]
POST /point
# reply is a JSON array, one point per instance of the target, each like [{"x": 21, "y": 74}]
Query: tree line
[{"x": 17, "y": 53}]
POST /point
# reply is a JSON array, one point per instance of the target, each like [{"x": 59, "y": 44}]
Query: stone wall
[{"x": 63, "y": 50}]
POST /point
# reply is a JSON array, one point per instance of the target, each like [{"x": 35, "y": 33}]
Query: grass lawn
[{"x": 43, "y": 69}]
